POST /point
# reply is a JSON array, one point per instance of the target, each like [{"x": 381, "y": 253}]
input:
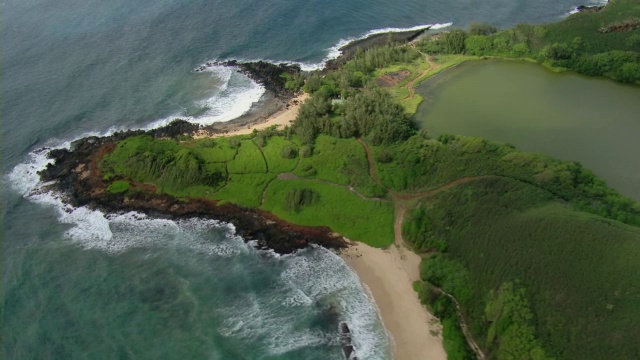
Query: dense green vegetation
[
  {"x": 371, "y": 114},
  {"x": 162, "y": 162},
  {"x": 420, "y": 164},
  {"x": 359, "y": 71},
  {"x": 454, "y": 342},
  {"x": 243, "y": 170},
  {"x": 504, "y": 236},
  {"x": 591, "y": 43},
  {"x": 539, "y": 253},
  {"x": 118, "y": 186},
  {"x": 340, "y": 161}
]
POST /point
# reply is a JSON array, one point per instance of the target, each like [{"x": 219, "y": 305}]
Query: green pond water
[{"x": 568, "y": 116}]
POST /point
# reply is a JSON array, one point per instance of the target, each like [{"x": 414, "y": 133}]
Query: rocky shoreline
[
  {"x": 348, "y": 51},
  {"x": 76, "y": 174}
]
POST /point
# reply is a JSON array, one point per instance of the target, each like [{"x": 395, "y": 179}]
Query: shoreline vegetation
[{"x": 519, "y": 255}]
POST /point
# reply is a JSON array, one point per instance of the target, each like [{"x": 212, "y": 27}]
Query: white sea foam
[
  {"x": 311, "y": 276},
  {"x": 312, "y": 280},
  {"x": 234, "y": 98},
  {"x": 590, "y": 3},
  {"x": 118, "y": 232},
  {"x": 323, "y": 276},
  {"x": 334, "y": 51}
]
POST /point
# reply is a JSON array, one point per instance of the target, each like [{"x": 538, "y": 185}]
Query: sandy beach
[
  {"x": 389, "y": 275},
  {"x": 281, "y": 118}
]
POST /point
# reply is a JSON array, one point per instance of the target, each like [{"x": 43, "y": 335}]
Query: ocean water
[{"x": 82, "y": 284}]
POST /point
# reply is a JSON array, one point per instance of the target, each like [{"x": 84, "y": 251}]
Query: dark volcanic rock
[
  {"x": 77, "y": 175},
  {"x": 264, "y": 73},
  {"x": 348, "y": 350},
  {"x": 587, "y": 8},
  {"x": 270, "y": 75}
]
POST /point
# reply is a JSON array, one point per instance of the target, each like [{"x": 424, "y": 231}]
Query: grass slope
[
  {"x": 580, "y": 270},
  {"x": 340, "y": 161},
  {"x": 248, "y": 161},
  {"x": 362, "y": 220},
  {"x": 273, "y": 150}
]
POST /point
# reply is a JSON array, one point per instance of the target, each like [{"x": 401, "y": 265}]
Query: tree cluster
[
  {"x": 357, "y": 72},
  {"x": 372, "y": 114},
  {"x": 529, "y": 41}
]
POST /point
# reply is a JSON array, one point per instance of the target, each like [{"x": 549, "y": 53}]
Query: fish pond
[{"x": 565, "y": 115}]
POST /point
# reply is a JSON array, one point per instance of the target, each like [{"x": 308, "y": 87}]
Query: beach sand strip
[{"x": 389, "y": 275}]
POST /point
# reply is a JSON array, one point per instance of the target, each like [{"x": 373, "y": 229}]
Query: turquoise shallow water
[{"x": 79, "y": 284}]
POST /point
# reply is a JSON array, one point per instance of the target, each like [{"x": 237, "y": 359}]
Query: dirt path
[
  {"x": 463, "y": 325},
  {"x": 447, "y": 186},
  {"x": 401, "y": 202},
  {"x": 292, "y": 176},
  {"x": 432, "y": 67},
  {"x": 371, "y": 163}
]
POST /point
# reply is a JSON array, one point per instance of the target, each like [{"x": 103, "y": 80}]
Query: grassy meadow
[
  {"x": 368, "y": 221},
  {"x": 239, "y": 171}
]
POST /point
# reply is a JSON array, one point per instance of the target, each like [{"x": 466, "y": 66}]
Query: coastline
[
  {"x": 286, "y": 112},
  {"x": 388, "y": 274}
]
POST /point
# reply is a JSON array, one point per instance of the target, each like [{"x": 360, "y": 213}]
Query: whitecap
[
  {"x": 575, "y": 10},
  {"x": 322, "y": 275},
  {"x": 234, "y": 97},
  {"x": 93, "y": 229},
  {"x": 334, "y": 52}
]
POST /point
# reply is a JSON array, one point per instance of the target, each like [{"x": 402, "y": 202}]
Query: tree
[
  {"x": 454, "y": 41},
  {"x": 478, "y": 45},
  {"x": 557, "y": 51},
  {"x": 520, "y": 49},
  {"x": 628, "y": 73},
  {"x": 482, "y": 29}
]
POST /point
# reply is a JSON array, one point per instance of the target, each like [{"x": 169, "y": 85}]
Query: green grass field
[
  {"x": 242, "y": 177},
  {"x": 273, "y": 153},
  {"x": 244, "y": 189},
  {"x": 213, "y": 150},
  {"x": 340, "y": 161},
  {"x": 368, "y": 221},
  {"x": 248, "y": 161}
]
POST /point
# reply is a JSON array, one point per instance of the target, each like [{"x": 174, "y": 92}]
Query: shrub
[
  {"x": 298, "y": 199},
  {"x": 454, "y": 41},
  {"x": 288, "y": 152},
  {"x": 207, "y": 143},
  {"x": 118, "y": 186},
  {"x": 306, "y": 151},
  {"x": 482, "y": 29},
  {"x": 478, "y": 45}
]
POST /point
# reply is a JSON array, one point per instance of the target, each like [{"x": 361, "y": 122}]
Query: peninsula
[{"x": 519, "y": 255}]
